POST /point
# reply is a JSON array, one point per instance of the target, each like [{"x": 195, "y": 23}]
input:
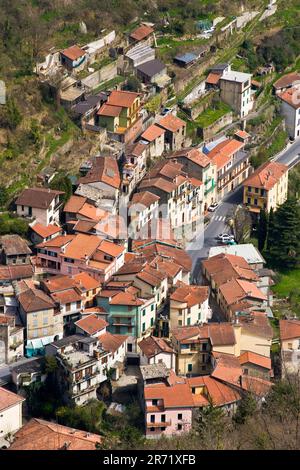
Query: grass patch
[
  {"x": 109, "y": 84},
  {"x": 212, "y": 114},
  {"x": 288, "y": 281}
]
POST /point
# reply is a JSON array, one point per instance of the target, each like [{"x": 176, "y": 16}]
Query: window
[
  {"x": 78, "y": 304},
  {"x": 144, "y": 327},
  {"x": 152, "y": 429},
  {"x": 144, "y": 312},
  {"x": 188, "y": 321},
  {"x": 152, "y": 418},
  {"x": 190, "y": 367},
  {"x": 45, "y": 321},
  {"x": 68, "y": 307},
  {"x": 179, "y": 427},
  {"x": 154, "y": 402},
  {"x": 179, "y": 416},
  {"x": 152, "y": 321},
  {"x": 163, "y": 429},
  {"x": 152, "y": 307},
  {"x": 163, "y": 418}
]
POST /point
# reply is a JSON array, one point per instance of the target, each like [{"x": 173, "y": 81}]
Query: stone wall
[
  {"x": 198, "y": 108},
  {"x": 96, "y": 78},
  {"x": 208, "y": 132}
]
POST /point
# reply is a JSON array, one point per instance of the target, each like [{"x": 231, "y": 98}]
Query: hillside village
[{"x": 143, "y": 265}]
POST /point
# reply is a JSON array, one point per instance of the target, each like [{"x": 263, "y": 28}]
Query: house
[
  {"x": 147, "y": 279},
  {"x": 290, "y": 109},
  {"x": 256, "y": 364},
  {"x": 11, "y": 339},
  {"x": 99, "y": 186},
  {"x": 81, "y": 367},
  {"x": 244, "y": 250},
  {"x": 38, "y": 434},
  {"x": 189, "y": 305},
  {"x": 74, "y": 254},
  {"x": 175, "y": 131},
  {"x": 134, "y": 166},
  {"x": 168, "y": 254},
  {"x": 41, "y": 233},
  {"x": 10, "y": 416},
  {"x": 143, "y": 208},
  {"x": 289, "y": 335},
  {"x": 42, "y": 204},
  {"x": 156, "y": 350},
  {"x": 186, "y": 60},
  {"x": 155, "y": 138},
  {"x": 27, "y": 372},
  {"x": 138, "y": 55},
  {"x": 151, "y": 71},
  {"x": 242, "y": 136},
  {"x": 233, "y": 165},
  {"x": 91, "y": 325},
  {"x": 128, "y": 313},
  {"x": 199, "y": 165},
  {"x": 120, "y": 115},
  {"x": 88, "y": 286},
  {"x": 194, "y": 345},
  {"x": 67, "y": 296},
  {"x": 14, "y": 251},
  {"x": 43, "y": 323},
  {"x": 236, "y": 91},
  {"x": 168, "y": 181},
  {"x": 166, "y": 401},
  {"x": 266, "y": 187},
  {"x": 70, "y": 92},
  {"x": 142, "y": 33},
  {"x": 73, "y": 58},
  {"x": 287, "y": 81}
]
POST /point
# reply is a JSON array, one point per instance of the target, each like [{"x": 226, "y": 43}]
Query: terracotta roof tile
[
  {"x": 74, "y": 204},
  {"x": 171, "y": 123},
  {"x": 105, "y": 170},
  {"x": 189, "y": 294},
  {"x": 109, "y": 110},
  {"x": 38, "y": 434},
  {"x": 85, "y": 281},
  {"x": 266, "y": 176},
  {"x": 124, "y": 99},
  {"x": 141, "y": 32},
  {"x": 145, "y": 198},
  {"x": 152, "y": 133},
  {"x": 33, "y": 300},
  {"x": 289, "y": 329},
  {"x": 73, "y": 52},
  {"x": 110, "y": 342},
  {"x": 152, "y": 346},
  {"x": 8, "y": 399},
  {"x": 39, "y": 198},
  {"x": 46, "y": 231},
  {"x": 291, "y": 96},
  {"x": 287, "y": 80},
  {"x": 257, "y": 359},
  {"x": 91, "y": 324},
  {"x": 213, "y": 78}
]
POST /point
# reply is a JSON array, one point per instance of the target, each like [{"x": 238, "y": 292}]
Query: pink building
[
  {"x": 168, "y": 407},
  {"x": 74, "y": 254}
]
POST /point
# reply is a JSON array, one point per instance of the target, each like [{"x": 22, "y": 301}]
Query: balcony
[{"x": 159, "y": 424}]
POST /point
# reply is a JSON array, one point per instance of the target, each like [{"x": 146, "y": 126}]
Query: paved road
[
  {"x": 205, "y": 239},
  {"x": 291, "y": 155}
]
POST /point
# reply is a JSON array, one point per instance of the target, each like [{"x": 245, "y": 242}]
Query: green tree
[
  {"x": 262, "y": 231},
  {"x": 284, "y": 236},
  {"x": 62, "y": 182},
  {"x": 270, "y": 241},
  {"x": 246, "y": 408}
]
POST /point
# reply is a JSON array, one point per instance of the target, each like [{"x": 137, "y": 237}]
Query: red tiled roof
[
  {"x": 228, "y": 368},
  {"x": 287, "y": 80},
  {"x": 176, "y": 396},
  {"x": 84, "y": 280},
  {"x": 74, "y": 204},
  {"x": 126, "y": 298},
  {"x": 144, "y": 198},
  {"x": 91, "y": 324},
  {"x": 73, "y": 52},
  {"x": 33, "y": 300},
  {"x": 189, "y": 294},
  {"x": 152, "y": 133},
  {"x": 66, "y": 296},
  {"x": 220, "y": 334},
  {"x": 214, "y": 391},
  {"x": 105, "y": 170},
  {"x": 222, "y": 153},
  {"x": 8, "y": 399},
  {"x": 194, "y": 155},
  {"x": 38, "y": 434},
  {"x": 257, "y": 359},
  {"x": 11, "y": 273},
  {"x": 124, "y": 99},
  {"x": 39, "y": 198},
  {"x": 109, "y": 110},
  {"x": 213, "y": 78},
  {"x": 291, "y": 96},
  {"x": 171, "y": 123},
  {"x": 57, "y": 242},
  {"x": 266, "y": 176},
  {"x": 289, "y": 329},
  {"x": 45, "y": 231},
  {"x": 152, "y": 346},
  {"x": 141, "y": 32},
  {"x": 110, "y": 342}
]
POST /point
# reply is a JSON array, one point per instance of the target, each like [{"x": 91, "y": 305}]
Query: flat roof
[
  {"x": 245, "y": 250},
  {"x": 235, "y": 76}
]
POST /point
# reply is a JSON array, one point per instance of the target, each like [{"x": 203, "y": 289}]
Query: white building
[
  {"x": 189, "y": 305},
  {"x": 42, "y": 204},
  {"x": 10, "y": 416},
  {"x": 290, "y": 109},
  {"x": 236, "y": 91},
  {"x": 155, "y": 351}
]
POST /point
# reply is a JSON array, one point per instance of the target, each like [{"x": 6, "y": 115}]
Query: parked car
[
  {"x": 230, "y": 242},
  {"x": 225, "y": 237},
  {"x": 213, "y": 207}
]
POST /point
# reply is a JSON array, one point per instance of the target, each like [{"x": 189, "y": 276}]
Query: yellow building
[
  {"x": 194, "y": 345},
  {"x": 267, "y": 187}
]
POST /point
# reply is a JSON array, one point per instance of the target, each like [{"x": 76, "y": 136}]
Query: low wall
[
  {"x": 105, "y": 73},
  {"x": 208, "y": 132}
]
